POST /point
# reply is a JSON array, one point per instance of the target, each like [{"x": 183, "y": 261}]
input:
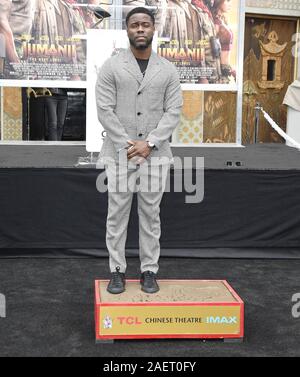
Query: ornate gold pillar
[{"x": 12, "y": 114}]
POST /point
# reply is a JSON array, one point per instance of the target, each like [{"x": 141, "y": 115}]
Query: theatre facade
[{"x": 246, "y": 54}]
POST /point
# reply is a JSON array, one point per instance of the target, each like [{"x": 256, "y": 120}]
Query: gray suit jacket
[{"x": 131, "y": 106}]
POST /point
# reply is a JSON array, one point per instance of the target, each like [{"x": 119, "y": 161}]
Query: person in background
[{"x": 56, "y": 109}]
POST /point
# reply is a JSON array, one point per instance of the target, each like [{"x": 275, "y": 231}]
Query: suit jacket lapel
[
  {"x": 152, "y": 69},
  {"x": 131, "y": 66}
]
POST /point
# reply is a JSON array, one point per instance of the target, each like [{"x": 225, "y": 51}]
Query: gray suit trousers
[{"x": 148, "y": 182}]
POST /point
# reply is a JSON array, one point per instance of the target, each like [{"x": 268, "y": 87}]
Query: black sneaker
[
  {"x": 148, "y": 282},
  {"x": 117, "y": 282}
]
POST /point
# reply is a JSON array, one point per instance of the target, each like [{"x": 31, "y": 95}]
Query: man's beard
[{"x": 143, "y": 46}]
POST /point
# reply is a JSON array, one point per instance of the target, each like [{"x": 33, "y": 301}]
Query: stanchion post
[
  {"x": 256, "y": 125},
  {"x": 28, "y": 116}
]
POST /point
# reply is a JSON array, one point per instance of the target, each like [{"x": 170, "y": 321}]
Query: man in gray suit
[{"x": 139, "y": 102}]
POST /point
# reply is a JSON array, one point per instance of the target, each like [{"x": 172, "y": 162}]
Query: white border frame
[
  {"x": 40, "y": 142},
  {"x": 240, "y": 76},
  {"x": 273, "y": 11},
  {"x": 42, "y": 84},
  {"x": 1, "y": 112}
]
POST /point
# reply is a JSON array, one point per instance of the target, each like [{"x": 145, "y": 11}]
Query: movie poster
[
  {"x": 199, "y": 37},
  {"x": 45, "y": 40}
]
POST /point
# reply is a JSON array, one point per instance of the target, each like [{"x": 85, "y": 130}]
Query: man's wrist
[{"x": 150, "y": 144}]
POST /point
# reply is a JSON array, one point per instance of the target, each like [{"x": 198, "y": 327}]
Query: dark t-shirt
[{"x": 143, "y": 63}]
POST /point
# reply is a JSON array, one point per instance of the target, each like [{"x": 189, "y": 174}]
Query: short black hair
[{"x": 140, "y": 10}]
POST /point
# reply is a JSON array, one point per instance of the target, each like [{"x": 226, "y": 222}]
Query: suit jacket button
[
  {"x": 139, "y": 93},
  {"x": 140, "y": 135},
  {"x": 139, "y": 113}
]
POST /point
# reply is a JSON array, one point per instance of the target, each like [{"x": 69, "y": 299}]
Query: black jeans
[{"x": 56, "y": 108}]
